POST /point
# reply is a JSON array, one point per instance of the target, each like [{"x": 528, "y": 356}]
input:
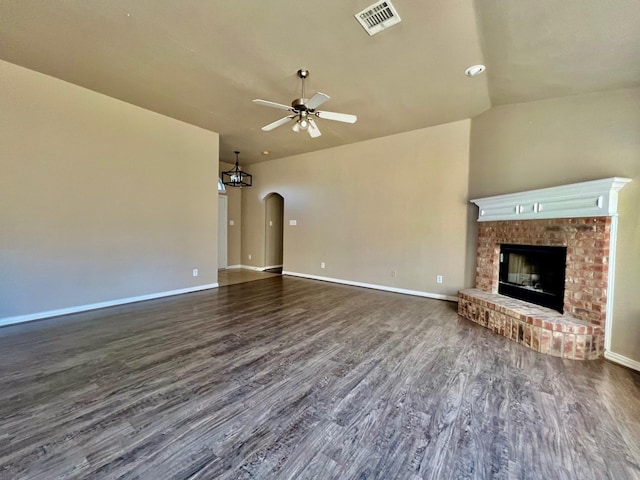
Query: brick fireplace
[{"x": 580, "y": 217}]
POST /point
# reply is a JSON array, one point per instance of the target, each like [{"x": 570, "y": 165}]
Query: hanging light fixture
[
  {"x": 302, "y": 122},
  {"x": 236, "y": 177}
]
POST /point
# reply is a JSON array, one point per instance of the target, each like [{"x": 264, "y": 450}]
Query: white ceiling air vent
[{"x": 378, "y": 16}]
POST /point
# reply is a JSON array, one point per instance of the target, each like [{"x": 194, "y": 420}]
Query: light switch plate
[{"x": 293, "y": 222}]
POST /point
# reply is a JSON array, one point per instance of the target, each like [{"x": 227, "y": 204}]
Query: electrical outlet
[
  {"x": 249, "y": 256},
  {"x": 232, "y": 222},
  {"x": 394, "y": 273},
  {"x": 439, "y": 278},
  {"x": 195, "y": 272},
  {"x": 322, "y": 265}
]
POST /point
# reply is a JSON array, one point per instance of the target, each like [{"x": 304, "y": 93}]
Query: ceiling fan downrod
[{"x": 303, "y": 73}]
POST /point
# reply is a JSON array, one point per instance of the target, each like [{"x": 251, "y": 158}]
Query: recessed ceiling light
[{"x": 474, "y": 70}]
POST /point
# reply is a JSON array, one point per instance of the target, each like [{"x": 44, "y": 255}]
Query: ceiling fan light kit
[
  {"x": 236, "y": 177},
  {"x": 303, "y": 110},
  {"x": 301, "y": 123}
]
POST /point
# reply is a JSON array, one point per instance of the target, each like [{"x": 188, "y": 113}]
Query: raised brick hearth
[{"x": 539, "y": 328}]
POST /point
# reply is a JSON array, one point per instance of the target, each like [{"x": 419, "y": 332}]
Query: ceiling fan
[{"x": 303, "y": 110}]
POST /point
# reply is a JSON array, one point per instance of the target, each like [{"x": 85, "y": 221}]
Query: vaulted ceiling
[{"x": 204, "y": 61}]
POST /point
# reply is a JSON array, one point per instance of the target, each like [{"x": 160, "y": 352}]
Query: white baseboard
[
  {"x": 622, "y": 360},
  {"x": 233, "y": 267},
  {"x": 269, "y": 267},
  {"x": 417, "y": 293},
  {"x": 94, "y": 306}
]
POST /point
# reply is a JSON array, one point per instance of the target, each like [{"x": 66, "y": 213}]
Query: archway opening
[{"x": 274, "y": 230}]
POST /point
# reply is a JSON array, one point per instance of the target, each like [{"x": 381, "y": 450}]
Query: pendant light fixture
[{"x": 236, "y": 177}]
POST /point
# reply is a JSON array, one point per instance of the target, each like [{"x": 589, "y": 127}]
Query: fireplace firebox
[{"x": 534, "y": 274}]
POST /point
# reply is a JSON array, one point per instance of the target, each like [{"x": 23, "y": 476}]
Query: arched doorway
[{"x": 274, "y": 225}]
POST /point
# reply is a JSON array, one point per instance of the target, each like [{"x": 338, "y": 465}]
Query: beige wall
[
  {"x": 394, "y": 203},
  {"x": 99, "y": 200},
  {"x": 234, "y": 213},
  {"x": 568, "y": 140}
]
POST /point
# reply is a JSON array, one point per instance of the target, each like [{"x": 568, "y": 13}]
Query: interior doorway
[
  {"x": 222, "y": 231},
  {"x": 274, "y": 225}
]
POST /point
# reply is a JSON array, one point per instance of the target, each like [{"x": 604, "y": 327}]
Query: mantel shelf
[{"x": 596, "y": 198}]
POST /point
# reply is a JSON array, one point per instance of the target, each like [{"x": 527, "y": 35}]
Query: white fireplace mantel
[{"x": 596, "y": 198}]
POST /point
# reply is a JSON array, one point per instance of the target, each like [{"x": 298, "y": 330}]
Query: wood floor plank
[{"x": 287, "y": 378}]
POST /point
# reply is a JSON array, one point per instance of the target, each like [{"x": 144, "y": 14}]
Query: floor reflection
[{"x": 234, "y": 276}]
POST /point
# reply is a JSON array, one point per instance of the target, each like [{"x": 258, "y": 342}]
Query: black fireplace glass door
[{"x": 534, "y": 274}]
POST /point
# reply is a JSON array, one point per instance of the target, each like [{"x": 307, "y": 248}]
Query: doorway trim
[
  {"x": 222, "y": 232},
  {"x": 273, "y": 231}
]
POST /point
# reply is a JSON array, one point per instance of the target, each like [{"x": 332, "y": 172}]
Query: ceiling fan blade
[
  {"x": 340, "y": 117},
  {"x": 277, "y": 123},
  {"x": 317, "y": 100},
  {"x": 313, "y": 129},
  {"x": 267, "y": 103}
]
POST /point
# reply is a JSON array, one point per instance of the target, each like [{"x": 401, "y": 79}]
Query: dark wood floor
[{"x": 292, "y": 379}]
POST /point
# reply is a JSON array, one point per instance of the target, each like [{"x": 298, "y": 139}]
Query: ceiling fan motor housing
[{"x": 299, "y": 104}]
